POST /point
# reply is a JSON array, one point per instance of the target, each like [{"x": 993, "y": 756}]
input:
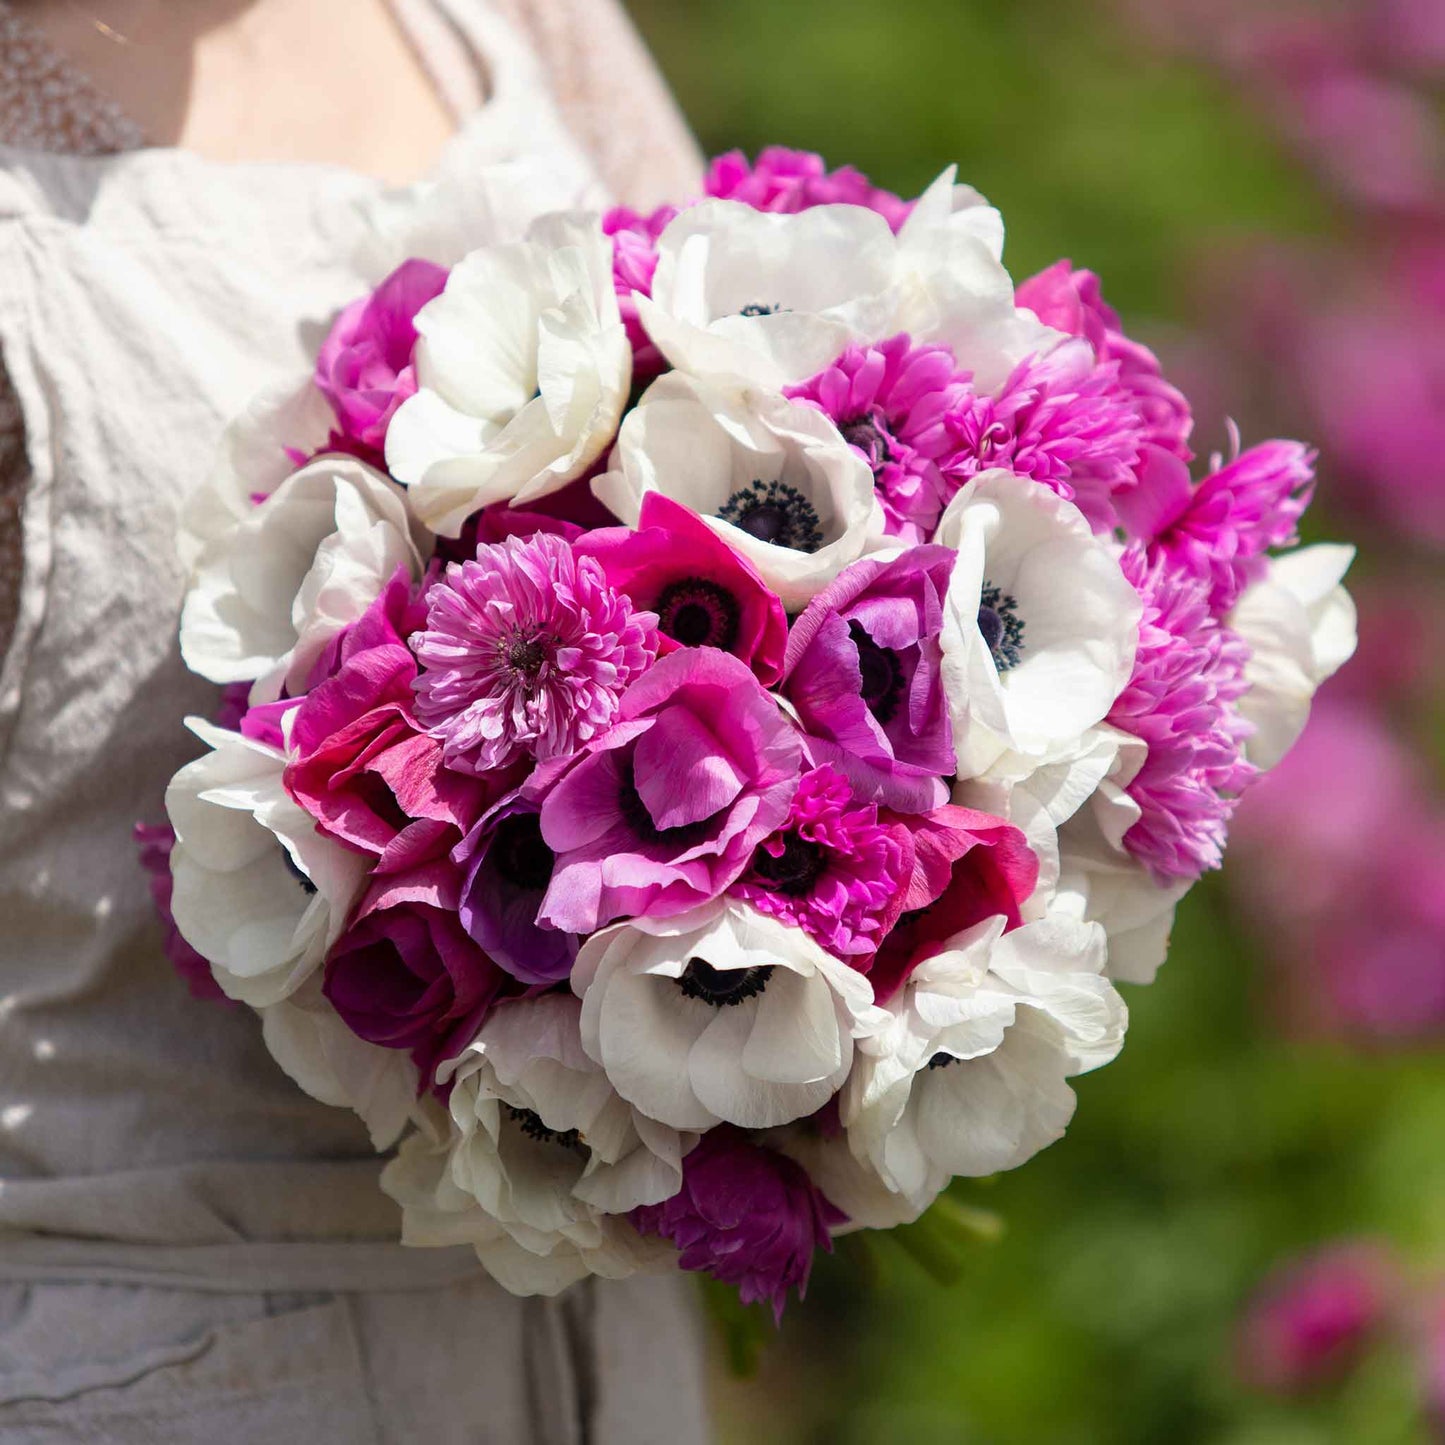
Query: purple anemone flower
[
  {"x": 863, "y": 671},
  {"x": 746, "y": 1215},
  {"x": 703, "y": 593},
  {"x": 525, "y": 653},
  {"x": 892, "y": 401},
  {"x": 1188, "y": 675},
  {"x": 832, "y": 869},
  {"x": 789, "y": 180},
  {"x": 664, "y": 811},
  {"x": 508, "y": 869}
]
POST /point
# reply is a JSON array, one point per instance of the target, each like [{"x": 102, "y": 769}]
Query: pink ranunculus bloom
[
  {"x": 1221, "y": 530},
  {"x": 967, "y": 866},
  {"x": 892, "y": 401},
  {"x": 789, "y": 180},
  {"x": 833, "y": 869},
  {"x": 405, "y": 975},
  {"x": 746, "y": 1215},
  {"x": 365, "y": 368},
  {"x": 864, "y": 672},
  {"x": 154, "y": 843},
  {"x": 634, "y": 263},
  {"x": 363, "y": 768},
  {"x": 525, "y": 653},
  {"x": 1072, "y": 301},
  {"x": 703, "y": 593},
  {"x": 1061, "y": 418},
  {"x": 1188, "y": 676},
  {"x": 664, "y": 811},
  {"x": 1313, "y": 1316}
]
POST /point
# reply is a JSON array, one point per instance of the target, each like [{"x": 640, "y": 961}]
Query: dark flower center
[
  {"x": 526, "y": 654},
  {"x": 639, "y": 820},
  {"x": 722, "y": 987},
  {"x": 698, "y": 613},
  {"x": 293, "y": 868},
  {"x": 870, "y": 439},
  {"x": 758, "y": 308},
  {"x": 942, "y": 1060},
  {"x": 530, "y": 1123},
  {"x": 774, "y": 512},
  {"x": 795, "y": 869},
  {"x": 1001, "y": 626},
  {"x": 523, "y": 859},
  {"x": 882, "y": 674}
]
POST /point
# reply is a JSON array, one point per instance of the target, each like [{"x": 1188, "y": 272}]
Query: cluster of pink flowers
[{"x": 636, "y": 858}]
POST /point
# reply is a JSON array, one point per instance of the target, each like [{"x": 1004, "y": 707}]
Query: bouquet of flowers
[{"x": 716, "y": 702}]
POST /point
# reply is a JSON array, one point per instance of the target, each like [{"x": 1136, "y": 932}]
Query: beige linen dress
[{"x": 190, "y": 1248}]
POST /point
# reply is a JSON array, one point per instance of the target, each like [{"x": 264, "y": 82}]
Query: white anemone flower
[
  {"x": 314, "y": 1046},
  {"x": 1299, "y": 623},
  {"x": 1040, "y": 624},
  {"x": 523, "y": 368},
  {"x": 271, "y": 591},
  {"x": 541, "y": 1157},
  {"x": 259, "y": 892},
  {"x": 774, "y": 478},
  {"x": 970, "y": 1075},
  {"x": 721, "y": 1014},
  {"x": 770, "y": 299}
]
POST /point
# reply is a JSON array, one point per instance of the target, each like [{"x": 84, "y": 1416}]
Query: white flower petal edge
[
  {"x": 312, "y": 1043},
  {"x": 702, "y": 444},
  {"x": 523, "y": 368},
  {"x": 969, "y": 1076},
  {"x": 775, "y": 1042},
  {"x": 1299, "y": 623},
  {"x": 259, "y": 893},
  {"x": 540, "y": 1159},
  {"x": 852, "y": 1184},
  {"x": 1080, "y": 619},
  {"x": 270, "y": 592}
]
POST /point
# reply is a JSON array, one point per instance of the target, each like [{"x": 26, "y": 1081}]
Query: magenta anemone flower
[
  {"x": 1188, "y": 675},
  {"x": 665, "y": 810},
  {"x": 703, "y": 593},
  {"x": 789, "y": 180},
  {"x": 892, "y": 401},
  {"x": 634, "y": 262},
  {"x": 746, "y": 1215},
  {"x": 832, "y": 869},
  {"x": 864, "y": 673},
  {"x": 525, "y": 654}
]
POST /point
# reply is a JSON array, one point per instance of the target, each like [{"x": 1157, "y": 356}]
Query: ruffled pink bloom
[
  {"x": 1061, "y": 418},
  {"x": 365, "y": 365},
  {"x": 1312, "y": 1317},
  {"x": 864, "y": 671},
  {"x": 747, "y": 1216},
  {"x": 789, "y": 180},
  {"x": 1221, "y": 530},
  {"x": 154, "y": 842},
  {"x": 1072, "y": 301},
  {"x": 406, "y": 976},
  {"x": 891, "y": 401},
  {"x": 634, "y": 263},
  {"x": 703, "y": 593},
  {"x": 360, "y": 765},
  {"x": 525, "y": 654},
  {"x": 1188, "y": 674},
  {"x": 832, "y": 869},
  {"x": 967, "y": 867},
  {"x": 665, "y": 810}
]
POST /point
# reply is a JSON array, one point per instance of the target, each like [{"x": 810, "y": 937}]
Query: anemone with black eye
[
  {"x": 294, "y": 869},
  {"x": 761, "y": 308},
  {"x": 722, "y": 987},
  {"x": 774, "y": 512},
  {"x": 881, "y": 672},
  {"x": 794, "y": 870},
  {"x": 529, "y": 1122},
  {"x": 697, "y": 612},
  {"x": 522, "y": 858},
  {"x": 639, "y": 820},
  {"x": 942, "y": 1059},
  {"x": 1001, "y": 626},
  {"x": 871, "y": 439},
  {"x": 525, "y": 653}
]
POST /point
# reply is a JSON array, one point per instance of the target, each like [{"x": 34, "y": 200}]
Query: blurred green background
[{"x": 1216, "y": 1145}]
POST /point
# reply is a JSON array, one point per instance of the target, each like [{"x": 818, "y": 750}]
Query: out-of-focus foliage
[{"x": 1219, "y": 1143}]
